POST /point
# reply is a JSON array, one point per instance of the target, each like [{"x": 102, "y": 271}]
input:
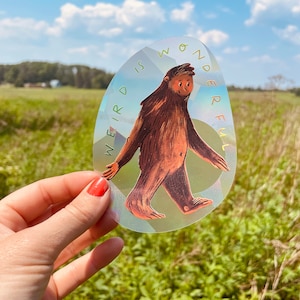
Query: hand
[
  {"x": 219, "y": 162},
  {"x": 45, "y": 224},
  {"x": 112, "y": 170}
]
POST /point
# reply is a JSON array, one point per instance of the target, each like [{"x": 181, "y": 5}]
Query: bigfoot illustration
[{"x": 164, "y": 131}]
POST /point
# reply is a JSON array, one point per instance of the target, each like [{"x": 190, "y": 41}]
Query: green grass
[
  {"x": 45, "y": 133},
  {"x": 248, "y": 248}
]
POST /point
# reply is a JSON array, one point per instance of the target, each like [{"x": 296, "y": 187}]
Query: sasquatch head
[{"x": 180, "y": 79}]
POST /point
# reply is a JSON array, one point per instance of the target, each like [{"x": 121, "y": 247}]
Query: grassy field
[{"x": 248, "y": 248}]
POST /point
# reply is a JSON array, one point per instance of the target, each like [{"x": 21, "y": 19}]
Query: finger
[
  {"x": 28, "y": 203},
  {"x": 221, "y": 164},
  {"x": 49, "y": 212},
  {"x": 102, "y": 227},
  {"x": 71, "y": 276},
  {"x": 74, "y": 219},
  {"x": 107, "y": 175}
]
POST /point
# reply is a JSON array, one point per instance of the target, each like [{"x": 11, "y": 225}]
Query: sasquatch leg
[
  {"x": 138, "y": 200},
  {"x": 178, "y": 187}
]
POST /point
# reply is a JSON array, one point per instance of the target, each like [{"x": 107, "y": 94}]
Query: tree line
[{"x": 79, "y": 76}]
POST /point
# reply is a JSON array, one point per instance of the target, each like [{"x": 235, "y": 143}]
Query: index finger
[{"x": 21, "y": 207}]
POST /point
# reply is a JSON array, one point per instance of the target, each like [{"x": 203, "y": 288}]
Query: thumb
[{"x": 70, "y": 222}]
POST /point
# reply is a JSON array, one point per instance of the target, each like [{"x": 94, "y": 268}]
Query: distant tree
[
  {"x": 101, "y": 80},
  {"x": 2, "y": 73},
  {"x": 66, "y": 74},
  {"x": 19, "y": 82},
  {"x": 11, "y": 74},
  {"x": 79, "y": 83},
  {"x": 277, "y": 82},
  {"x": 86, "y": 77},
  {"x": 296, "y": 91},
  {"x": 43, "y": 72}
]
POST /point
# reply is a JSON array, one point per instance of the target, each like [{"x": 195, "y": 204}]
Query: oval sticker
[{"x": 165, "y": 136}]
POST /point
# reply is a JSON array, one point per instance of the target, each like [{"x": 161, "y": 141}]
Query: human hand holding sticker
[{"x": 45, "y": 224}]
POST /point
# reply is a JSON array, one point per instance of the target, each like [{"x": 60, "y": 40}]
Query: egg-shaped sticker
[{"x": 165, "y": 138}]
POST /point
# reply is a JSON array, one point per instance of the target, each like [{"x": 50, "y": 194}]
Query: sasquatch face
[{"x": 182, "y": 84}]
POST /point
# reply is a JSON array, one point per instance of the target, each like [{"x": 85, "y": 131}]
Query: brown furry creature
[{"x": 164, "y": 132}]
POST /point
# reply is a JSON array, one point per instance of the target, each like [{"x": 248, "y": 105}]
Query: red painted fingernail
[{"x": 98, "y": 187}]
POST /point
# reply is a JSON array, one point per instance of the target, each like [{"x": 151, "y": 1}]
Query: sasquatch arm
[
  {"x": 132, "y": 143},
  {"x": 202, "y": 149}
]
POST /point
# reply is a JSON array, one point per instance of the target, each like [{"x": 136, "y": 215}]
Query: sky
[{"x": 252, "y": 40}]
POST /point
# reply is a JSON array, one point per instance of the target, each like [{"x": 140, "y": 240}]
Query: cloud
[
  {"x": 211, "y": 37},
  {"x": 296, "y": 9},
  {"x": 112, "y": 54},
  {"x": 231, "y": 50},
  {"x": 107, "y": 19},
  {"x": 266, "y": 59},
  {"x": 20, "y": 28},
  {"x": 101, "y": 19},
  {"x": 115, "y": 49},
  {"x": 225, "y": 9},
  {"x": 264, "y": 10},
  {"x": 234, "y": 50},
  {"x": 136, "y": 13},
  {"x": 184, "y": 14},
  {"x": 297, "y": 58},
  {"x": 210, "y": 15},
  {"x": 290, "y": 33},
  {"x": 111, "y": 32},
  {"x": 79, "y": 50}
]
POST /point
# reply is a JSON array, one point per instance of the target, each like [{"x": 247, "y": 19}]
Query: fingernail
[{"x": 98, "y": 187}]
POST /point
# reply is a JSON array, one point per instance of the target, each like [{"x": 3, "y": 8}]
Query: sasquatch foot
[
  {"x": 197, "y": 203},
  {"x": 143, "y": 212}
]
